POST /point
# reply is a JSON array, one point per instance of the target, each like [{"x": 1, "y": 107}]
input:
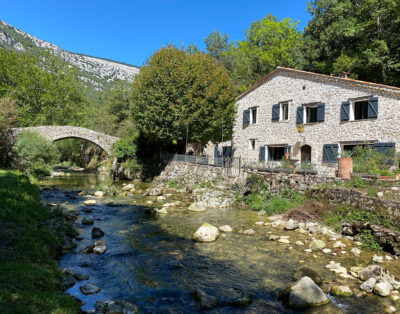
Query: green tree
[
  {"x": 46, "y": 89},
  {"x": 176, "y": 92},
  {"x": 269, "y": 43},
  {"x": 8, "y": 119},
  {"x": 361, "y": 37},
  {"x": 34, "y": 154},
  {"x": 217, "y": 45}
]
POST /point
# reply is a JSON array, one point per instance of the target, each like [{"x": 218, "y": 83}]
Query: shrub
[
  {"x": 125, "y": 149},
  {"x": 369, "y": 242},
  {"x": 8, "y": 119},
  {"x": 34, "y": 154},
  {"x": 368, "y": 160}
]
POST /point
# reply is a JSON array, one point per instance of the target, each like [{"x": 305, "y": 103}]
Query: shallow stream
[{"x": 152, "y": 261}]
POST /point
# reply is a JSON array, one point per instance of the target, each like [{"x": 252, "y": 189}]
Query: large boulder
[
  {"x": 375, "y": 271},
  {"x": 197, "y": 207},
  {"x": 206, "y": 233},
  {"x": 89, "y": 202},
  {"x": 128, "y": 188},
  {"x": 383, "y": 289},
  {"x": 368, "y": 285},
  {"x": 97, "y": 233},
  {"x": 304, "y": 293}
]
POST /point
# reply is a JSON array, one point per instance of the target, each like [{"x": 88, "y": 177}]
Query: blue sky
[{"x": 130, "y": 31}]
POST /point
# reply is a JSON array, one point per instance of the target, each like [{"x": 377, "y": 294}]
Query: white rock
[
  {"x": 355, "y": 251},
  {"x": 379, "y": 194},
  {"x": 99, "y": 194},
  {"x": 197, "y": 207},
  {"x": 128, "y": 187},
  {"x": 259, "y": 223},
  {"x": 377, "y": 259},
  {"x": 326, "y": 251},
  {"x": 383, "y": 289},
  {"x": 89, "y": 202},
  {"x": 248, "y": 231},
  {"x": 388, "y": 257},
  {"x": 338, "y": 245},
  {"x": 160, "y": 198},
  {"x": 286, "y": 241},
  {"x": 368, "y": 285},
  {"x": 161, "y": 211},
  {"x": 308, "y": 250},
  {"x": 305, "y": 293},
  {"x": 317, "y": 245},
  {"x": 299, "y": 243},
  {"x": 206, "y": 233},
  {"x": 391, "y": 309},
  {"x": 225, "y": 228}
]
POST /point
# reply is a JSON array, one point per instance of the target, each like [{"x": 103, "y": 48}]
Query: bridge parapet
[{"x": 55, "y": 133}]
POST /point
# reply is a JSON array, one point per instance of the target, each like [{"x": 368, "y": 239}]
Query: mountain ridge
[{"x": 96, "y": 72}]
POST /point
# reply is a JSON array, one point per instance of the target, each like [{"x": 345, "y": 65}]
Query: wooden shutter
[
  {"x": 246, "y": 117},
  {"x": 216, "y": 150},
  {"x": 300, "y": 115},
  {"x": 373, "y": 108},
  {"x": 345, "y": 111},
  {"x": 330, "y": 152},
  {"x": 321, "y": 113},
  {"x": 261, "y": 155},
  {"x": 384, "y": 147},
  {"x": 275, "y": 112}
]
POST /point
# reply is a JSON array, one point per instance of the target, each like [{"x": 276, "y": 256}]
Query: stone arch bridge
[{"x": 55, "y": 133}]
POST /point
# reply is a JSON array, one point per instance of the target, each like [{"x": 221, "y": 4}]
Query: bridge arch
[{"x": 56, "y": 133}]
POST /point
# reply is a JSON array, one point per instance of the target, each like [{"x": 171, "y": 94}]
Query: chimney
[{"x": 345, "y": 75}]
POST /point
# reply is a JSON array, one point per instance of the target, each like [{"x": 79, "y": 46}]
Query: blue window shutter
[
  {"x": 262, "y": 153},
  {"x": 345, "y": 111},
  {"x": 300, "y": 115},
  {"x": 275, "y": 112},
  {"x": 216, "y": 150},
  {"x": 330, "y": 152},
  {"x": 321, "y": 113},
  {"x": 373, "y": 108},
  {"x": 246, "y": 117},
  {"x": 384, "y": 147},
  {"x": 227, "y": 151}
]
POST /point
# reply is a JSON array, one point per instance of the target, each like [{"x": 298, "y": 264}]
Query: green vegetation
[
  {"x": 342, "y": 213},
  {"x": 30, "y": 239},
  {"x": 178, "y": 93},
  {"x": 369, "y": 242},
  {"x": 8, "y": 119},
  {"x": 354, "y": 36},
  {"x": 175, "y": 184},
  {"x": 35, "y": 155},
  {"x": 368, "y": 160}
]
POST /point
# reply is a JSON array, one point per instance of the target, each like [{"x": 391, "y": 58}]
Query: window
[
  {"x": 253, "y": 144},
  {"x": 361, "y": 110},
  {"x": 311, "y": 114},
  {"x": 253, "y": 115},
  {"x": 276, "y": 153},
  {"x": 284, "y": 111},
  {"x": 330, "y": 153}
]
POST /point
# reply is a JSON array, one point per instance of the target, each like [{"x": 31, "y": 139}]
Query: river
[{"x": 152, "y": 261}]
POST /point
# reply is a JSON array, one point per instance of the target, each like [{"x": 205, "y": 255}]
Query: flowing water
[{"x": 152, "y": 261}]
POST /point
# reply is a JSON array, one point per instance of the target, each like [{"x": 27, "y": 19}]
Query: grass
[
  {"x": 175, "y": 184},
  {"x": 30, "y": 239}
]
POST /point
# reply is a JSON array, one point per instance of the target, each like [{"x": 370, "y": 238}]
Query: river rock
[
  {"x": 113, "y": 204},
  {"x": 71, "y": 217},
  {"x": 97, "y": 233},
  {"x": 79, "y": 276},
  {"x": 313, "y": 229},
  {"x": 69, "y": 244},
  {"x": 206, "y": 301},
  {"x": 300, "y": 243},
  {"x": 291, "y": 225},
  {"x": 225, "y": 228},
  {"x": 155, "y": 192},
  {"x": 68, "y": 281},
  {"x": 375, "y": 271},
  {"x": 82, "y": 193},
  {"x": 341, "y": 291},
  {"x": 161, "y": 211},
  {"x": 128, "y": 188},
  {"x": 285, "y": 241},
  {"x": 304, "y": 271},
  {"x": 326, "y": 251},
  {"x": 99, "y": 247},
  {"x": 89, "y": 202},
  {"x": 304, "y": 293},
  {"x": 87, "y": 210},
  {"x": 87, "y": 220},
  {"x": 116, "y": 307},
  {"x": 197, "y": 207},
  {"x": 338, "y": 245},
  {"x": 317, "y": 245},
  {"x": 99, "y": 193},
  {"x": 89, "y": 288},
  {"x": 368, "y": 285},
  {"x": 355, "y": 251},
  {"x": 383, "y": 289},
  {"x": 274, "y": 237},
  {"x": 249, "y": 231},
  {"x": 206, "y": 233}
]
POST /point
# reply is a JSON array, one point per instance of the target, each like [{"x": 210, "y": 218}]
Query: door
[{"x": 306, "y": 153}]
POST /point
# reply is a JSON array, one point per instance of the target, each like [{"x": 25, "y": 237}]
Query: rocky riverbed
[{"x": 132, "y": 255}]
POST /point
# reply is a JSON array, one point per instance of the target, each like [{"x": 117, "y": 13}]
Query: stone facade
[
  {"x": 299, "y": 88},
  {"x": 55, "y": 133}
]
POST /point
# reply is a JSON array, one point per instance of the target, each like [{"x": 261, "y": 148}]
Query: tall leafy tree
[
  {"x": 361, "y": 37},
  {"x": 269, "y": 43},
  {"x": 46, "y": 89},
  {"x": 217, "y": 45},
  {"x": 177, "y": 93}
]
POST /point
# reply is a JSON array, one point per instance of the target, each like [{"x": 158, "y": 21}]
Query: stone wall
[
  {"x": 189, "y": 174},
  {"x": 357, "y": 199},
  {"x": 299, "y": 89}
]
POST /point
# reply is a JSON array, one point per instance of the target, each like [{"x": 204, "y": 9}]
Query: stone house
[{"x": 314, "y": 117}]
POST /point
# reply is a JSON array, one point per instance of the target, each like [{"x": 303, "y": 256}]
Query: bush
[
  {"x": 8, "y": 119},
  {"x": 125, "y": 149},
  {"x": 368, "y": 160},
  {"x": 34, "y": 154}
]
